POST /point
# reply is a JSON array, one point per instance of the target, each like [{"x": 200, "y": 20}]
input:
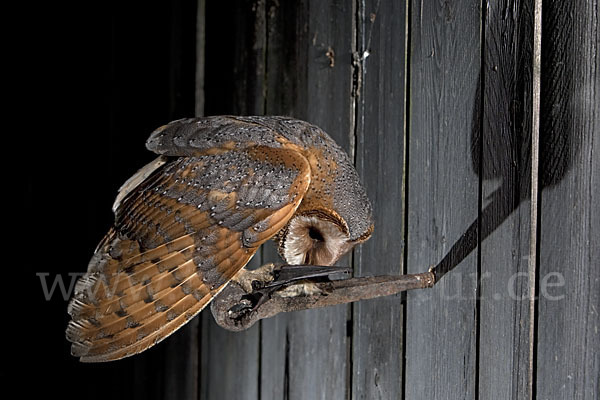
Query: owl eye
[{"x": 315, "y": 234}]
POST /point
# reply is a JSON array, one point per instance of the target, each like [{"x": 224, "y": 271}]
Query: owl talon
[
  {"x": 243, "y": 309},
  {"x": 239, "y": 307},
  {"x": 257, "y": 285},
  {"x": 249, "y": 304}
]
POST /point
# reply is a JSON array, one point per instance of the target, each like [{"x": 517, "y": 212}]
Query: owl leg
[
  {"x": 252, "y": 283},
  {"x": 273, "y": 278},
  {"x": 282, "y": 280},
  {"x": 250, "y": 280}
]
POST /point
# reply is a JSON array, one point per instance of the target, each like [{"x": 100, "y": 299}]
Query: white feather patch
[
  {"x": 136, "y": 179},
  {"x": 298, "y": 242}
]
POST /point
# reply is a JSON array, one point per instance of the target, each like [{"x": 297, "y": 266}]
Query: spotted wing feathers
[{"x": 178, "y": 238}]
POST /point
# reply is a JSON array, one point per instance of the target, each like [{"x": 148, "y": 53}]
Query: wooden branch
[{"x": 233, "y": 311}]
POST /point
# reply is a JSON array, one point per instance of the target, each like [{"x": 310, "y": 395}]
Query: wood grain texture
[
  {"x": 181, "y": 366},
  {"x": 461, "y": 135},
  {"x": 287, "y": 38},
  {"x": 377, "y": 352},
  {"x": 568, "y": 337},
  {"x": 285, "y": 62},
  {"x": 505, "y": 216},
  {"x": 442, "y": 198},
  {"x": 317, "y": 358},
  {"x": 304, "y": 354},
  {"x": 229, "y": 364},
  {"x": 235, "y": 78}
]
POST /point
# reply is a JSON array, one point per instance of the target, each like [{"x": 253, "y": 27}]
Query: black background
[{"x": 91, "y": 80}]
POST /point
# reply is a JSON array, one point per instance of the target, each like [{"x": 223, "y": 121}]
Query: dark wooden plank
[
  {"x": 181, "y": 364},
  {"x": 274, "y": 350},
  {"x": 234, "y": 75},
  {"x": 287, "y": 38},
  {"x": 317, "y": 338},
  {"x": 234, "y": 84},
  {"x": 568, "y": 356},
  {"x": 286, "y": 64},
  {"x": 377, "y": 338},
  {"x": 229, "y": 362},
  {"x": 304, "y": 354},
  {"x": 504, "y": 345},
  {"x": 442, "y": 197}
]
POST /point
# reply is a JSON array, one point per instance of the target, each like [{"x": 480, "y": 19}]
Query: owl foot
[
  {"x": 252, "y": 301},
  {"x": 285, "y": 281},
  {"x": 251, "y": 280},
  {"x": 242, "y": 309}
]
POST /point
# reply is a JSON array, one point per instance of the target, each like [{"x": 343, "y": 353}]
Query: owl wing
[{"x": 178, "y": 238}]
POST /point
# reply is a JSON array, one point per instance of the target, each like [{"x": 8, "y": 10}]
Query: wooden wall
[{"x": 433, "y": 100}]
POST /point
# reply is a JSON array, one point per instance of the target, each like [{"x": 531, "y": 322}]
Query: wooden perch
[{"x": 233, "y": 308}]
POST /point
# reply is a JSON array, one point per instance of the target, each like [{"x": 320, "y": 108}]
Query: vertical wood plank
[
  {"x": 442, "y": 197},
  {"x": 317, "y": 338},
  {"x": 377, "y": 338},
  {"x": 568, "y": 356},
  {"x": 229, "y": 362},
  {"x": 234, "y": 84},
  {"x": 304, "y": 354},
  {"x": 505, "y": 217},
  {"x": 287, "y": 38}
]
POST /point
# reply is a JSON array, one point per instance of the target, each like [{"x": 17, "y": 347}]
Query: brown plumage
[{"x": 188, "y": 222}]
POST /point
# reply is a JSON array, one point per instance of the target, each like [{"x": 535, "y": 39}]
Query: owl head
[
  {"x": 316, "y": 238},
  {"x": 330, "y": 221}
]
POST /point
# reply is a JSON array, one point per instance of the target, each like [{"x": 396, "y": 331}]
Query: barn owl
[{"x": 187, "y": 224}]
